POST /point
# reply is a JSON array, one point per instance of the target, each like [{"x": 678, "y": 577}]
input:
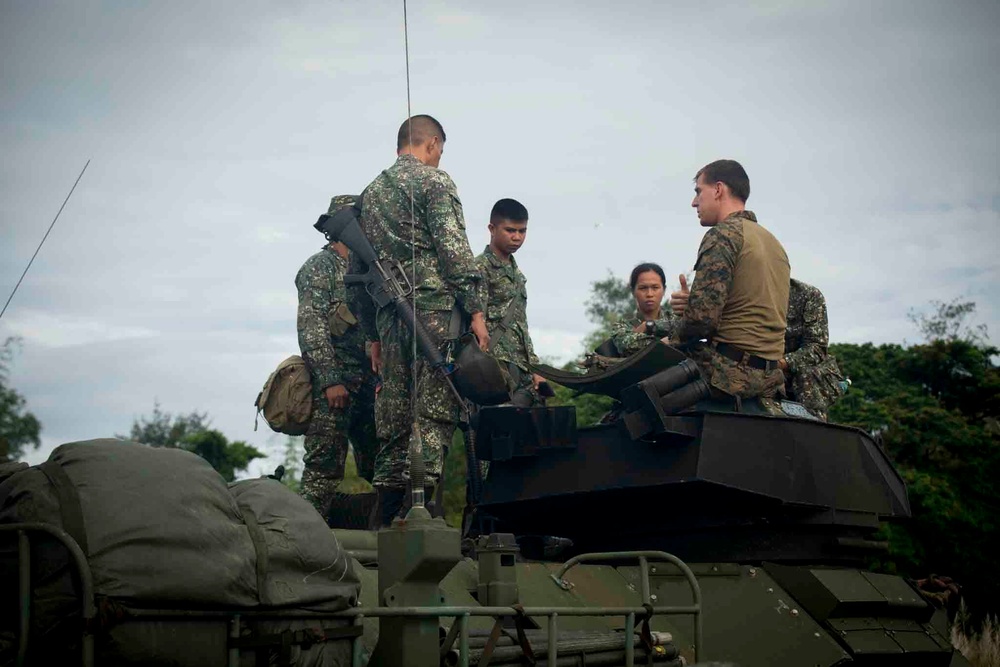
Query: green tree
[
  {"x": 191, "y": 432},
  {"x": 226, "y": 457},
  {"x": 292, "y": 463},
  {"x": 162, "y": 429},
  {"x": 934, "y": 407},
  {"x": 610, "y": 301},
  {"x": 19, "y": 428}
]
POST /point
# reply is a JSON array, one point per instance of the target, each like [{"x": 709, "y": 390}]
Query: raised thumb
[{"x": 684, "y": 282}]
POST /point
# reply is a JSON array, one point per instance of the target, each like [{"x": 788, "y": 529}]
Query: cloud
[
  {"x": 218, "y": 136},
  {"x": 59, "y": 331}
]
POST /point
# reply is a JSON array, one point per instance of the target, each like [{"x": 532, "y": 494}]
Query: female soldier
[{"x": 650, "y": 322}]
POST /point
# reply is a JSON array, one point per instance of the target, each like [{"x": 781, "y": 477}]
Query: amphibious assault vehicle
[{"x": 676, "y": 534}]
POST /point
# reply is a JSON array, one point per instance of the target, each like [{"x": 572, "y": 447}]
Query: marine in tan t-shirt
[{"x": 739, "y": 299}]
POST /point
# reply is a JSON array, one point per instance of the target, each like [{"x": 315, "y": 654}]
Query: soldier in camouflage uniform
[
  {"x": 812, "y": 375},
  {"x": 504, "y": 288},
  {"x": 430, "y": 241},
  {"x": 739, "y": 298},
  {"x": 333, "y": 346},
  {"x": 650, "y": 322}
]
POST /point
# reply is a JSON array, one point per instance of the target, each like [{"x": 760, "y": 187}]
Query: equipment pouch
[{"x": 341, "y": 319}]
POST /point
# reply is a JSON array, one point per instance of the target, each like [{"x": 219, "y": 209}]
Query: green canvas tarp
[{"x": 161, "y": 529}]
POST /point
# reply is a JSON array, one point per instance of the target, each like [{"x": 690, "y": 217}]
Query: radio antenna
[{"x": 47, "y": 236}]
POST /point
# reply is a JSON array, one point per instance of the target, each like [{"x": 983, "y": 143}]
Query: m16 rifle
[{"x": 476, "y": 377}]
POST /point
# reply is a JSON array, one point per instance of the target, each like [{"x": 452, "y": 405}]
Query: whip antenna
[
  {"x": 416, "y": 440},
  {"x": 53, "y": 225}
]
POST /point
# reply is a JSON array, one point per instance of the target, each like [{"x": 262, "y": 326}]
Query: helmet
[{"x": 478, "y": 377}]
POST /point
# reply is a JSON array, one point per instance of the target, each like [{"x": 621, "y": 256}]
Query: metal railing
[
  {"x": 87, "y": 609},
  {"x": 461, "y": 614}
]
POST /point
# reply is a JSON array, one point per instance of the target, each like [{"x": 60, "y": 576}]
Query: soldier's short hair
[
  {"x": 422, "y": 127},
  {"x": 729, "y": 172},
  {"x": 645, "y": 267},
  {"x": 508, "y": 209}
]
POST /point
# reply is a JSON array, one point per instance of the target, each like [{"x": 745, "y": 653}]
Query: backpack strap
[
  {"x": 504, "y": 325},
  {"x": 70, "y": 509}
]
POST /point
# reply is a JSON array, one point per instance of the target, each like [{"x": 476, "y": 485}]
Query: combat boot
[{"x": 389, "y": 502}]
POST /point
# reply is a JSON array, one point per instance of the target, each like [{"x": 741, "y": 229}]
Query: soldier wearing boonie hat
[{"x": 333, "y": 346}]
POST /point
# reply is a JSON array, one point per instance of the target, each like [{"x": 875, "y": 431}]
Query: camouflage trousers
[
  {"x": 326, "y": 444},
  {"x": 434, "y": 411},
  {"x": 732, "y": 378}
]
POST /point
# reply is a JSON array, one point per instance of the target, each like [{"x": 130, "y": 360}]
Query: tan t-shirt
[{"x": 740, "y": 293}]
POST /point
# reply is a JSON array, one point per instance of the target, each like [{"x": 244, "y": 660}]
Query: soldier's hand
[
  {"x": 479, "y": 329},
  {"x": 536, "y": 380},
  {"x": 337, "y": 396},
  {"x": 679, "y": 299},
  {"x": 377, "y": 358}
]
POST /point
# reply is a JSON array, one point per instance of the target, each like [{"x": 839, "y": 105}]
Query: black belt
[{"x": 741, "y": 356}]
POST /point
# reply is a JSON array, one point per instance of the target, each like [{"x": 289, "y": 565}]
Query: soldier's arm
[
  {"x": 666, "y": 326},
  {"x": 456, "y": 263},
  {"x": 315, "y": 303},
  {"x": 815, "y": 336},
  {"x": 628, "y": 341},
  {"x": 715, "y": 267},
  {"x": 483, "y": 286}
]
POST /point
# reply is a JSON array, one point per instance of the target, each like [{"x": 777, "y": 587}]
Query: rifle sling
[{"x": 504, "y": 325}]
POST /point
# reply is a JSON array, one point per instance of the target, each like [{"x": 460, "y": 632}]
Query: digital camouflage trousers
[
  {"x": 434, "y": 410},
  {"x": 326, "y": 444}
]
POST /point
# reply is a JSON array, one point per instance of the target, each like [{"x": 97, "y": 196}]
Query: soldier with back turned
[{"x": 411, "y": 213}]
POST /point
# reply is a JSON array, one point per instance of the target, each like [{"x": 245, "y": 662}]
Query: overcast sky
[{"x": 219, "y": 131}]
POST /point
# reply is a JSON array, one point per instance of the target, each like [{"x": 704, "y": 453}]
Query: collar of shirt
[
  {"x": 496, "y": 261},
  {"x": 407, "y": 158},
  {"x": 749, "y": 215},
  {"x": 638, "y": 318}
]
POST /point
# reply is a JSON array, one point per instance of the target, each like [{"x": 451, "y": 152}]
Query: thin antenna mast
[
  {"x": 54, "y": 224},
  {"x": 416, "y": 447}
]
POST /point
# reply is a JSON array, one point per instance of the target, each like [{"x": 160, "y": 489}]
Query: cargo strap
[
  {"x": 284, "y": 641},
  {"x": 70, "y": 510},
  {"x": 522, "y": 638},
  {"x": 644, "y": 633},
  {"x": 260, "y": 551},
  {"x": 528, "y": 657},
  {"x": 504, "y": 325}
]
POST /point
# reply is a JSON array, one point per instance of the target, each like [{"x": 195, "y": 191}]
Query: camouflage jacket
[
  {"x": 501, "y": 285},
  {"x": 807, "y": 332},
  {"x": 628, "y": 341},
  {"x": 330, "y": 339},
  {"x": 431, "y": 243}
]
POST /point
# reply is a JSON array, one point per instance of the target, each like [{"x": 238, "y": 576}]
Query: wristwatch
[{"x": 650, "y": 327}]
